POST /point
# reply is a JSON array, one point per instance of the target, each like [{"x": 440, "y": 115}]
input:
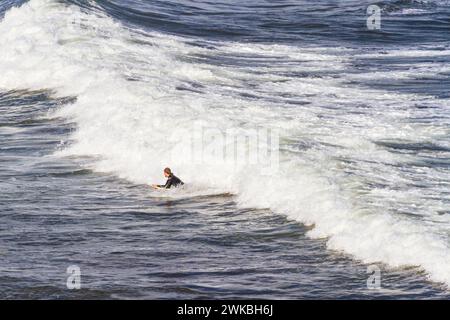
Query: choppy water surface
[{"x": 95, "y": 97}]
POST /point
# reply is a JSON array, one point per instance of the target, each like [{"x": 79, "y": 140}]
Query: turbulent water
[{"x": 97, "y": 97}]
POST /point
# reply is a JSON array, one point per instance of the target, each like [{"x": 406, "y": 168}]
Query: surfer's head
[{"x": 167, "y": 172}]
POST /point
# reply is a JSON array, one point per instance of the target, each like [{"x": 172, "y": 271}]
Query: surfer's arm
[
  {"x": 163, "y": 186},
  {"x": 168, "y": 184}
]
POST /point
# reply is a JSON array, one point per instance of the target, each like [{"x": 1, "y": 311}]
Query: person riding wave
[{"x": 172, "y": 181}]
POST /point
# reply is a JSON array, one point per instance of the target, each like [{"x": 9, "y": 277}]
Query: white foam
[{"x": 329, "y": 160}]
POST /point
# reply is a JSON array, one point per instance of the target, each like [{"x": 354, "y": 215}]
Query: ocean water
[{"x": 97, "y": 97}]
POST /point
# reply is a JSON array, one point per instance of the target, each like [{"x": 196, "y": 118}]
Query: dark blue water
[{"x": 57, "y": 211}]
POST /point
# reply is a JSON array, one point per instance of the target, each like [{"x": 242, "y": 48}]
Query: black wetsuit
[{"x": 172, "y": 181}]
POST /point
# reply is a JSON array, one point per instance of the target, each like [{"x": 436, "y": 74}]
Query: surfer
[{"x": 172, "y": 181}]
